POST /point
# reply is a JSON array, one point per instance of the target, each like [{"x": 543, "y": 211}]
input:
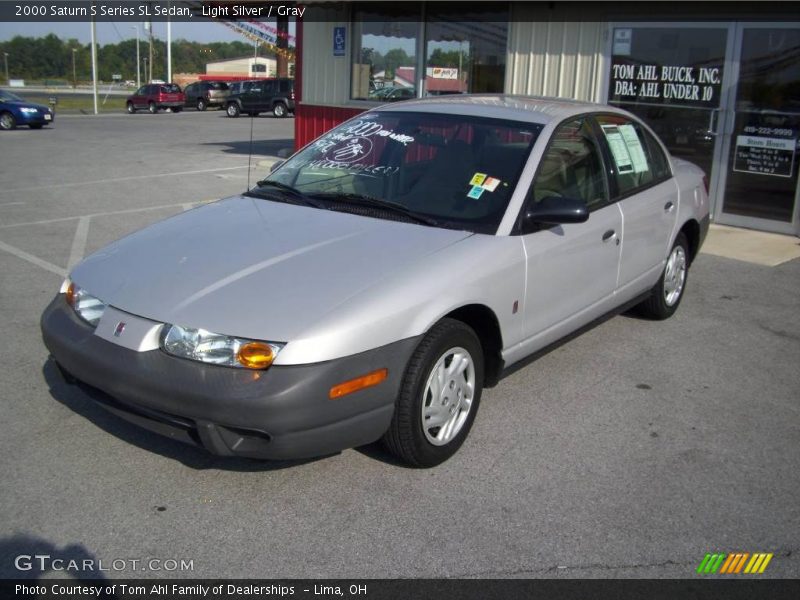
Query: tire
[
  {"x": 667, "y": 294},
  {"x": 414, "y": 436},
  {"x": 280, "y": 110},
  {"x": 130, "y": 108},
  {"x": 7, "y": 121},
  {"x": 201, "y": 104},
  {"x": 152, "y": 108},
  {"x": 233, "y": 110}
]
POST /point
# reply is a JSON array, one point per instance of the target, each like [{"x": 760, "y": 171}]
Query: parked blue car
[{"x": 16, "y": 111}]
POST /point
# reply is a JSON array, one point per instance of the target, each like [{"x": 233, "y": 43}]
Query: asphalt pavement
[{"x": 630, "y": 451}]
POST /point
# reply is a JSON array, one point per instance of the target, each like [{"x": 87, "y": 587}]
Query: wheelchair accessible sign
[{"x": 339, "y": 38}]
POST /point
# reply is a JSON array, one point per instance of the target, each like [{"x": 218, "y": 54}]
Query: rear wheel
[
  {"x": 233, "y": 110},
  {"x": 439, "y": 396},
  {"x": 7, "y": 121},
  {"x": 201, "y": 104},
  {"x": 280, "y": 110},
  {"x": 130, "y": 108},
  {"x": 152, "y": 108},
  {"x": 668, "y": 292}
]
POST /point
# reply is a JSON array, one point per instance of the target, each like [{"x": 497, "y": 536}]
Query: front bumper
[
  {"x": 37, "y": 118},
  {"x": 281, "y": 413}
]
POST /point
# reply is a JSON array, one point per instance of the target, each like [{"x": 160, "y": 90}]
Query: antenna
[{"x": 250, "y": 152}]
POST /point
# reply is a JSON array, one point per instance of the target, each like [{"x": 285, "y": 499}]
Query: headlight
[
  {"x": 29, "y": 111},
  {"x": 87, "y": 307},
  {"x": 217, "y": 349}
]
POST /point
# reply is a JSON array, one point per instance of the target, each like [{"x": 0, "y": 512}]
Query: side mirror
[
  {"x": 556, "y": 210},
  {"x": 276, "y": 165}
]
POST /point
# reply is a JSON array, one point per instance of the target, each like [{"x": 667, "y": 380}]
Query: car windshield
[
  {"x": 9, "y": 97},
  {"x": 170, "y": 88},
  {"x": 456, "y": 171},
  {"x": 218, "y": 85}
]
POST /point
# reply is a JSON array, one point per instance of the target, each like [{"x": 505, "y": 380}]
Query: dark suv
[
  {"x": 155, "y": 96},
  {"x": 202, "y": 94},
  {"x": 261, "y": 95}
]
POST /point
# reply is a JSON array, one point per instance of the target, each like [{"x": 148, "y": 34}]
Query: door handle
[
  {"x": 713, "y": 120},
  {"x": 669, "y": 206},
  {"x": 610, "y": 234}
]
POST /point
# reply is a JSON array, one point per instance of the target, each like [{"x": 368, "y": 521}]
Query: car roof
[{"x": 535, "y": 109}]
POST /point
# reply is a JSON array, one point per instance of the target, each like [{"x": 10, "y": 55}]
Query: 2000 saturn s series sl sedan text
[{"x": 375, "y": 282}]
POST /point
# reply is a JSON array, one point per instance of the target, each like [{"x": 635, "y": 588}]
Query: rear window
[
  {"x": 171, "y": 88},
  {"x": 218, "y": 85}
]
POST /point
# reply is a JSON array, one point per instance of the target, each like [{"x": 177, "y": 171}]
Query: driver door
[{"x": 572, "y": 269}]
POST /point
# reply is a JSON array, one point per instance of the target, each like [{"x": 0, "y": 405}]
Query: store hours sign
[{"x": 683, "y": 85}]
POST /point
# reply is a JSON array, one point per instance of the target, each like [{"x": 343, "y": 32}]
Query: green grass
[{"x": 79, "y": 103}]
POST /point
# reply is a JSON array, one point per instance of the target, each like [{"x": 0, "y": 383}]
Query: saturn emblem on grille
[{"x": 119, "y": 329}]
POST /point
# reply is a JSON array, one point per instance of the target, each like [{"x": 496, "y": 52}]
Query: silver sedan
[{"x": 377, "y": 280}]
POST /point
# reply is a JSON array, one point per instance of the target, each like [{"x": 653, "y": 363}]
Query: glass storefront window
[
  {"x": 762, "y": 170},
  {"x": 671, "y": 77},
  {"x": 385, "y": 52},
  {"x": 465, "y": 51}
]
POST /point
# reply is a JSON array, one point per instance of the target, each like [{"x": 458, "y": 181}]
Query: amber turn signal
[
  {"x": 255, "y": 355},
  {"x": 70, "y": 294},
  {"x": 359, "y": 383}
]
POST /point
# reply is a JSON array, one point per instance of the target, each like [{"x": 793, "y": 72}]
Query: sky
[{"x": 113, "y": 33}]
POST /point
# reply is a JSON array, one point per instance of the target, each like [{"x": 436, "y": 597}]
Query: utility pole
[
  {"x": 74, "y": 76},
  {"x": 148, "y": 25},
  {"x": 138, "y": 60},
  {"x": 94, "y": 64},
  {"x": 169, "y": 46}
]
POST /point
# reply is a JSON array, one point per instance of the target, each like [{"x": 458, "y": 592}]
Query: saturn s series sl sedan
[{"x": 378, "y": 279}]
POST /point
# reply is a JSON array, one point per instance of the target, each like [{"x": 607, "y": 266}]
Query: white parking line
[
  {"x": 116, "y": 179},
  {"x": 11, "y": 203},
  {"x": 79, "y": 242},
  {"x": 35, "y": 260},
  {"x": 103, "y": 214}
]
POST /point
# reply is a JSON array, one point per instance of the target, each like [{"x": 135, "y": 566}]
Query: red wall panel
[{"x": 312, "y": 121}]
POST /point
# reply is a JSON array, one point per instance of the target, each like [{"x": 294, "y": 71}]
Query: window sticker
[
  {"x": 490, "y": 184},
  {"x": 475, "y": 192},
  {"x": 477, "y": 179},
  {"x": 634, "y": 146},
  {"x": 619, "y": 149}
]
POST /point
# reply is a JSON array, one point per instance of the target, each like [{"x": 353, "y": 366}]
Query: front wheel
[
  {"x": 439, "y": 396},
  {"x": 232, "y": 110},
  {"x": 152, "y": 108},
  {"x": 130, "y": 108},
  {"x": 668, "y": 292},
  {"x": 201, "y": 104}
]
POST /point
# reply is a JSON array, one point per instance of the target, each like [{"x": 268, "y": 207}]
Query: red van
[{"x": 155, "y": 96}]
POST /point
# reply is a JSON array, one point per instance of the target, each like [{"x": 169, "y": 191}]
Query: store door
[
  {"x": 762, "y": 131},
  {"x": 672, "y": 75}
]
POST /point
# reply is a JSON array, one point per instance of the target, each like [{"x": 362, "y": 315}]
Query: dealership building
[{"x": 718, "y": 81}]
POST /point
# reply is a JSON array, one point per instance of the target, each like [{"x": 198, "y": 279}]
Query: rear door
[
  {"x": 571, "y": 268},
  {"x": 269, "y": 90},
  {"x": 648, "y": 196}
]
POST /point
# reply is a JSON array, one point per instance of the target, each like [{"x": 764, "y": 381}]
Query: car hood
[
  {"x": 18, "y": 104},
  {"x": 251, "y": 267}
]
